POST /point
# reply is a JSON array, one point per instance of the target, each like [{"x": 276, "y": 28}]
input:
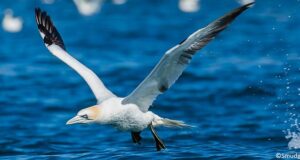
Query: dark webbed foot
[
  {"x": 159, "y": 144},
  {"x": 136, "y": 137}
]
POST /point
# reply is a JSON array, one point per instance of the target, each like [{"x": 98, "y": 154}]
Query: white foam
[{"x": 294, "y": 137}]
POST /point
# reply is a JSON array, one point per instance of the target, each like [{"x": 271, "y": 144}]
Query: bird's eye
[{"x": 85, "y": 116}]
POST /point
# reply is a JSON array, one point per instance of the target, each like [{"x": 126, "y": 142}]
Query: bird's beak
[{"x": 74, "y": 120}]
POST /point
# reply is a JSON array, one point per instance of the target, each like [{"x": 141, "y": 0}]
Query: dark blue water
[{"x": 241, "y": 91}]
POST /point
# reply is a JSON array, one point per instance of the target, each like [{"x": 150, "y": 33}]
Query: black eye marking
[{"x": 85, "y": 116}]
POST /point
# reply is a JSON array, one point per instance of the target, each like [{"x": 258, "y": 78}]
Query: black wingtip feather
[
  {"x": 229, "y": 17},
  {"x": 46, "y": 26},
  {"x": 213, "y": 29},
  {"x": 220, "y": 24}
]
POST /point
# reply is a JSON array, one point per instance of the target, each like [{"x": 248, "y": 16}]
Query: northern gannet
[
  {"x": 88, "y": 7},
  {"x": 10, "y": 23},
  {"x": 132, "y": 113},
  {"x": 189, "y": 5}
]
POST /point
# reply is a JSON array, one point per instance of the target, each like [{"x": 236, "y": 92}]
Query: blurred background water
[{"x": 241, "y": 91}]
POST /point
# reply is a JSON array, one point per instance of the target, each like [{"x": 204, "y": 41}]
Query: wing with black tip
[
  {"x": 175, "y": 60},
  {"x": 55, "y": 45}
]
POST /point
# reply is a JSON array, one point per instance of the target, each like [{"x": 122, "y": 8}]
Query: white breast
[{"x": 124, "y": 117}]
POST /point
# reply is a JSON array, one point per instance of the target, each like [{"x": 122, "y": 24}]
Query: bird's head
[{"x": 86, "y": 116}]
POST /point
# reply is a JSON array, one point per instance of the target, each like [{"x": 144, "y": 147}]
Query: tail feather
[{"x": 174, "y": 123}]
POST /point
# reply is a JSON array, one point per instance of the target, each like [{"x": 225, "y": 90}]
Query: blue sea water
[{"x": 241, "y": 91}]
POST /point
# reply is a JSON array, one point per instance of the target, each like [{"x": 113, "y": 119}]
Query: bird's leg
[
  {"x": 136, "y": 137},
  {"x": 159, "y": 144}
]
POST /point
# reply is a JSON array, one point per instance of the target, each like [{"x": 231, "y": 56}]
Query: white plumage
[
  {"x": 189, "y": 5},
  {"x": 125, "y": 117},
  {"x": 132, "y": 113},
  {"x": 10, "y": 23},
  {"x": 88, "y": 7},
  {"x": 100, "y": 91}
]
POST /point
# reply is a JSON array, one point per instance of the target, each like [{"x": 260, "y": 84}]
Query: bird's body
[
  {"x": 127, "y": 117},
  {"x": 124, "y": 117},
  {"x": 189, "y": 5},
  {"x": 131, "y": 113},
  {"x": 10, "y": 23},
  {"x": 88, "y": 7}
]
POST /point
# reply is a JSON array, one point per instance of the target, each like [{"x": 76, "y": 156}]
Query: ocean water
[{"x": 241, "y": 91}]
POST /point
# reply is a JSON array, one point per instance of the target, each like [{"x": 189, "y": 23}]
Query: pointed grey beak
[{"x": 75, "y": 120}]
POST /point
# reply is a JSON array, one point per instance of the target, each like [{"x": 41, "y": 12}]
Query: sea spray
[{"x": 293, "y": 136}]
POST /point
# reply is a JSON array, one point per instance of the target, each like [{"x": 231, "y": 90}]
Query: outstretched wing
[
  {"x": 175, "y": 60},
  {"x": 55, "y": 45}
]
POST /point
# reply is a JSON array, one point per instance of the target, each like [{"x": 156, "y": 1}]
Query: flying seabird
[
  {"x": 10, "y": 23},
  {"x": 132, "y": 113},
  {"x": 189, "y": 5},
  {"x": 88, "y": 7}
]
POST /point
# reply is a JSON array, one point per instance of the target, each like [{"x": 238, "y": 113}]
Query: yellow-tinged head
[{"x": 87, "y": 115}]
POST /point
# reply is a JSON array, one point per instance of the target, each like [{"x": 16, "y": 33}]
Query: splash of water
[{"x": 293, "y": 136}]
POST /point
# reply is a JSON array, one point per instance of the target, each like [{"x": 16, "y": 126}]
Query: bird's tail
[{"x": 171, "y": 123}]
